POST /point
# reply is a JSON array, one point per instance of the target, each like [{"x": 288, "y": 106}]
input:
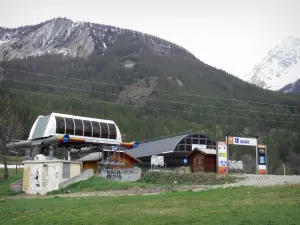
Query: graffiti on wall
[
  {"x": 130, "y": 174},
  {"x": 113, "y": 175},
  {"x": 45, "y": 176},
  {"x": 36, "y": 178}
]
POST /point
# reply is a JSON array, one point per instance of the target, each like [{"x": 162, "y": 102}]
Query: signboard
[
  {"x": 241, "y": 141},
  {"x": 262, "y": 164},
  {"x": 222, "y": 158},
  {"x": 198, "y": 146},
  {"x": 136, "y": 144},
  {"x": 66, "y": 138}
]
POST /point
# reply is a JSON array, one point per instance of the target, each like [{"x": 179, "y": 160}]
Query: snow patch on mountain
[
  {"x": 279, "y": 68},
  {"x": 75, "y": 39}
]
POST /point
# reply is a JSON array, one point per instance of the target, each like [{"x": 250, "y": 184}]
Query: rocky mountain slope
[
  {"x": 292, "y": 88},
  {"x": 74, "y": 39},
  {"x": 280, "y": 67}
]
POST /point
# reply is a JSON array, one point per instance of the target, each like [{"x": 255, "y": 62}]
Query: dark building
[{"x": 174, "y": 148}]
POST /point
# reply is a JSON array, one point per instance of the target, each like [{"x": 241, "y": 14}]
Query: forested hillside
[{"x": 151, "y": 95}]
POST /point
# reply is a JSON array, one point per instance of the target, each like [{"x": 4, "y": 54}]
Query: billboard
[
  {"x": 262, "y": 162},
  {"x": 241, "y": 141},
  {"x": 222, "y": 158}
]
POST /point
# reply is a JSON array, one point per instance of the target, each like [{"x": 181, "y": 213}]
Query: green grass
[
  {"x": 4, "y": 184},
  {"x": 235, "y": 206},
  {"x": 147, "y": 180},
  {"x": 186, "y": 178},
  {"x": 100, "y": 184},
  {"x": 12, "y": 160}
]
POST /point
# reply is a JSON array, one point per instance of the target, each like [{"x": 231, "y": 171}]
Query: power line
[
  {"x": 148, "y": 107},
  {"x": 154, "y": 99},
  {"x": 144, "y": 88}
]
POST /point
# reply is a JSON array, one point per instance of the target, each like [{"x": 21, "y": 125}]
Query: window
[
  {"x": 87, "y": 128},
  {"x": 196, "y": 141},
  {"x": 69, "y": 126},
  {"x": 78, "y": 127},
  {"x": 96, "y": 129},
  {"x": 181, "y": 148},
  {"x": 188, "y": 140},
  {"x": 112, "y": 131},
  {"x": 203, "y": 141},
  {"x": 60, "y": 125},
  {"x": 104, "y": 130}
]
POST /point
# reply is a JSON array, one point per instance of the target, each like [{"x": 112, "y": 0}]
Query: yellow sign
[
  {"x": 223, "y": 154},
  {"x": 230, "y": 140}
]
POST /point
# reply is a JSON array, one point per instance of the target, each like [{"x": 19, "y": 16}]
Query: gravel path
[
  {"x": 260, "y": 181},
  {"x": 250, "y": 180}
]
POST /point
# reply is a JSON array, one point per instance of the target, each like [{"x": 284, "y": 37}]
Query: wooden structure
[
  {"x": 91, "y": 161},
  {"x": 121, "y": 159},
  {"x": 113, "y": 160},
  {"x": 90, "y": 165},
  {"x": 202, "y": 160}
]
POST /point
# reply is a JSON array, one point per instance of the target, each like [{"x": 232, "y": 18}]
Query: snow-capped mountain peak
[{"x": 280, "y": 67}]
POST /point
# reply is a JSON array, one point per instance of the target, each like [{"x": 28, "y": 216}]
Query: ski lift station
[
  {"x": 80, "y": 129},
  {"x": 63, "y": 135}
]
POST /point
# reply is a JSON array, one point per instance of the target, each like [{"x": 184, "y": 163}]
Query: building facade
[
  {"x": 174, "y": 148},
  {"x": 202, "y": 160}
]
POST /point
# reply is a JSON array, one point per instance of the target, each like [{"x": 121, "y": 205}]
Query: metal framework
[
  {"x": 189, "y": 142},
  {"x": 245, "y": 140}
]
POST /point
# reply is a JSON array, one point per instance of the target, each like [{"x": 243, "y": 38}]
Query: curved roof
[
  {"x": 163, "y": 145},
  {"x": 157, "y": 146},
  {"x": 90, "y": 129}
]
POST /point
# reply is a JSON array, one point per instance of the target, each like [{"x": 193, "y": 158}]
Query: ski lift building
[{"x": 174, "y": 148}]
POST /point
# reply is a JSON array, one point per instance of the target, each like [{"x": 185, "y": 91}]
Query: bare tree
[{"x": 10, "y": 128}]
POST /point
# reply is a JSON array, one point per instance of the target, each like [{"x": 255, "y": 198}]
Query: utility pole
[{"x": 283, "y": 169}]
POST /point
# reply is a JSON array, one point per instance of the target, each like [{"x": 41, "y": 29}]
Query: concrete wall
[
  {"x": 41, "y": 177},
  {"x": 16, "y": 186},
  {"x": 83, "y": 176},
  {"x": 126, "y": 174},
  {"x": 75, "y": 169}
]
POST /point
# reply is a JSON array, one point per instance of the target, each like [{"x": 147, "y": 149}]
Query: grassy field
[
  {"x": 12, "y": 160},
  {"x": 100, "y": 184},
  {"x": 235, "y": 206},
  {"x": 147, "y": 180},
  {"x": 4, "y": 184},
  {"x": 186, "y": 178}
]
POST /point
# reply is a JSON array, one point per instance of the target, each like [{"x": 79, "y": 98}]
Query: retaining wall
[
  {"x": 83, "y": 176},
  {"x": 126, "y": 174},
  {"x": 16, "y": 186}
]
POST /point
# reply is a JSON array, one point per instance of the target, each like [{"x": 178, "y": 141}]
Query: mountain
[
  {"x": 74, "y": 39},
  {"x": 292, "y": 88},
  {"x": 280, "y": 67},
  {"x": 149, "y": 86}
]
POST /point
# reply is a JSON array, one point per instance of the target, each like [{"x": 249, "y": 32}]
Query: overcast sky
[{"x": 229, "y": 34}]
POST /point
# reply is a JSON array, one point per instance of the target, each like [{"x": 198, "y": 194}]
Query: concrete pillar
[
  {"x": 27, "y": 154},
  {"x": 51, "y": 153},
  {"x": 64, "y": 153},
  {"x": 35, "y": 151}
]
